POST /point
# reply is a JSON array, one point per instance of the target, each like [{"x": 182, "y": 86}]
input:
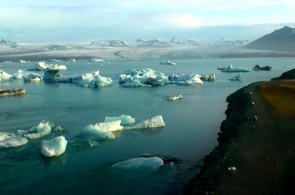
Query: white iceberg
[
  {"x": 186, "y": 79},
  {"x": 42, "y": 66},
  {"x": 236, "y": 78},
  {"x": 172, "y": 97},
  {"x": 27, "y": 76},
  {"x": 167, "y": 63},
  {"x": 154, "y": 122},
  {"x": 54, "y": 147},
  {"x": 8, "y": 140},
  {"x": 4, "y": 76},
  {"x": 103, "y": 130},
  {"x": 92, "y": 80},
  {"x": 142, "y": 78},
  {"x": 140, "y": 163},
  {"x": 41, "y": 130},
  {"x": 230, "y": 68},
  {"x": 125, "y": 119}
]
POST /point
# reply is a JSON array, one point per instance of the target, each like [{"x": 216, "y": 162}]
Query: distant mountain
[
  {"x": 182, "y": 41},
  {"x": 151, "y": 43},
  {"x": 110, "y": 43},
  {"x": 231, "y": 42},
  {"x": 7, "y": 43},
  {"x": 280, "y": 40}
]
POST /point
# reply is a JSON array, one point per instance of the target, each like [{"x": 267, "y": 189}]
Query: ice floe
[
  {"x": 4, "y": 76},
  {"x": 8, "y": 140},
  {"x": 230, "y": 68},
  {"x": 140, "y": 163},
  {"x": 54, "y": 147},
  {"x": 41, "y": 130},
  {"x": 42, "y": 66},
  {"x": 142, "y": 78},
  {"x": 125, "y": 119},
  {"x": 186, "y": 79},
  {"x": 154, "y": 122},
  {"x": 102, "y": 130},
  {"x": 27, "y": 76},
  {"x": 172, "y": 97}
]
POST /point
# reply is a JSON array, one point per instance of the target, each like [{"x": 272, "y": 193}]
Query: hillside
[{"x": 280, "y": 40}]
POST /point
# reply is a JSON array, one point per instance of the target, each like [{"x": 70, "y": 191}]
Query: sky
[{"x": 86, "y": 20}]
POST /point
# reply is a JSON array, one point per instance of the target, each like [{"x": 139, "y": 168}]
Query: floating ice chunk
[
  {"x": 236, "y": 78},
  {"x": 154, "y": 122},
  {"x": 41, "y": 130},
  {"x": 22, "y": 61},
  {"x": 125, "y": 119},
  {"x": 100, "y": 81},
  {"x": 4, "y": 76},
  {"x": 167, "y": 63},
  {"x": 92, "y": 80},
  {"x": 140, "y": 163},
  {"x": 8, "y": 140},
  {"x": 142, "y": 78},
  {"x": 27, "y": 76},
  {"x": 230, "y": 68},
  {"x": 172, "y": 97},
  {"x": 54, "y": 147},
  {"x": 186, "y": 79},
  {"x": 211, "y": 77},
  {"x": 103, "y": 130},
  {"x": 42, "y": 66}
]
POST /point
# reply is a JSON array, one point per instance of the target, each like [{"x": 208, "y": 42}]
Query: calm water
[{"x": 191, "y": 128}]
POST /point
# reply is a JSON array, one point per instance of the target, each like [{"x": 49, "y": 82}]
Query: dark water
[{"x": 191, "y": 128}]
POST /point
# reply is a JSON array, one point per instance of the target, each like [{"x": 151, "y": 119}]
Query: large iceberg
[
  {"x": 8, "y": 140},
  {"x": 41, "y": 130},
  {"x": 27, "y": 76},
  {"x": 4, "y": 76},
  {"x": 125, "y": 119},
  {"x": 154, "y": 122},
  {"x": 140, "y": 163},
  {"x": 103, "y": 130},
  {"x": 186, "y": 79},
  {"x": 230, "y": 68},
  {"x": 142, "y": 78},
  {"x": 54, "y": 147},
  {"x": 42, "y": 66}
]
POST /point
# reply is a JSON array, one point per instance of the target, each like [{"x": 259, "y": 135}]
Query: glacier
[
  {"x": 140, "y": 163},
  {"x": 54, "y": 147},
  {"x": 125, "y": 119},
  {"x": 8, "y": 140}
]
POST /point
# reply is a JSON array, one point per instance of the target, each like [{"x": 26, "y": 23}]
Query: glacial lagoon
[{"x": 190, "y": 132}]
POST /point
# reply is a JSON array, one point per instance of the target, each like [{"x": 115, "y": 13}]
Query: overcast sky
[{"x": 78, "y": 20}]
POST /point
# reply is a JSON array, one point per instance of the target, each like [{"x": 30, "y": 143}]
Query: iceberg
[
  {"x": 41, "y": 130},
  {"x": 8, "y": 140},
  {"x": 142, "y": 78},
  {"x": 140, "y": 163},
  {"x": 172, "y": 97},
  {"x": 42, "y": 66},
  {"x": 4, "y": 76},
  {"x": 230, "y": 68},
  {"x": 186, "y": 79},
  {"x": 12, "y": 92},
  {"x": 103, "y": 130},
  {"x": 211, "y": 77},
  {"x": 167, "y": 63},
  {"x": 154, "y": 122},
  {"x": 236, "y": 78},
  {"x": 27, "y": 76},
  {"x": 125, "y": 119},
  {"x": 54, "y": 147}
]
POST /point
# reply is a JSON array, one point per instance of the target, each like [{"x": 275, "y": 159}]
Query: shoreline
[{"x": 259, "y": 147}]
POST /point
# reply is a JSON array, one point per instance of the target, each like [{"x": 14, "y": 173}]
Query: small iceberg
[
  {"x": 8, "y": 140},
  {"x": 140, "y": 163},
  {"x": 27, "y": 76},
  {"x": 142, "y": 78},
  {"x": 154, "y": 122},
  {"x": 54, "y": 147},
  {"x": 236, "y": 78},
  {"x": 172, "y": 97},
  {"x": 41, "y": 130},
  {"x": 232, "y": 69},
  {"x": 211, "y": 77},
  {"x": 4, "y": 76},
  {"x": 257, "y": 68},
  {"x": 125, "y": 119},
  {"x": 167, "y": 63},
  {"x": 40, "y": 66},
  {"x": 186, "y": 79},
  {"x": 103, "y": 130}
]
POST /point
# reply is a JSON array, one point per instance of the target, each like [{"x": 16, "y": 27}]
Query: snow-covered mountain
[
  {"x": 6, "y": 43},
  {"x": 110, "y": 43},
  {"x": 151, "y": 43},
  {"x": 182, "y": 41}
]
